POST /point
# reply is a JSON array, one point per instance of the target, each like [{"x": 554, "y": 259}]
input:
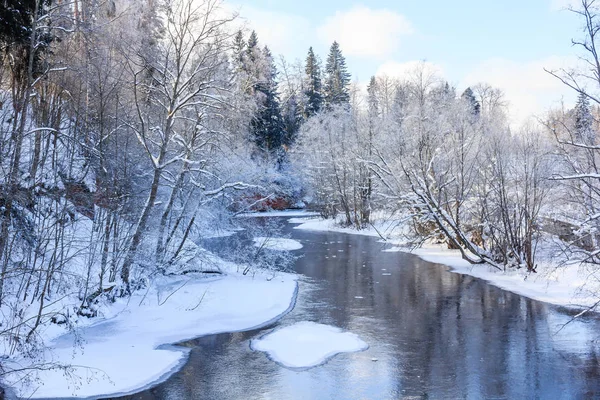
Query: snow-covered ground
[
  {"x": 564, "y": 285},
  {"x": 277, "y": 243},
  {"x": 307, "y": 344},
  {"x": 128, "y": 349}
]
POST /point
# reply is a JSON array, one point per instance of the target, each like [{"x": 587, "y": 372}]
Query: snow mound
[
  {"x": 307, "y": 344},
  {"x": 277, "y": 243}
]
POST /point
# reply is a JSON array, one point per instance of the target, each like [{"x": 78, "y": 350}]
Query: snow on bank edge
[
  {"x": 129, "y": 350},
  {"x": 559, "y": 285},
  {"x": 282, "y": 213},
  {"x": 551, "y": 284}
]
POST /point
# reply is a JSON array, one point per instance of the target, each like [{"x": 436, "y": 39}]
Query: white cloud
[
  {"x": 528, "y": 88},
  {"x": 284, "y": 33},
  {"x": 365, "y": 32}
]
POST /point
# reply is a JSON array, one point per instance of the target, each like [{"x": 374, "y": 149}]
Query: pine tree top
[
  {"x": 338, "y": 77},
  {"x": 252, "y": 40},
  {"x": 313, "y": 91},
  {"x": 312, "y": 68},
  {"x": 469, "y": 97},
  {"x": 238, "y": 40}
]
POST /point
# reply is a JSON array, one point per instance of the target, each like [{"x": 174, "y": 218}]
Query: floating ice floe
[{"x": 307, "y": 344}]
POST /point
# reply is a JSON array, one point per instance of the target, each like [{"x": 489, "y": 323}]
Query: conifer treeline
[{"x": 275, "y": 124}]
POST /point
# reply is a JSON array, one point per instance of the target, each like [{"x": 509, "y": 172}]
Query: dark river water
[{"x": 432, "y": 334}]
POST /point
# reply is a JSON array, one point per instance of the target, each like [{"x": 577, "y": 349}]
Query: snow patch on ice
[
  {"x": 328, "y": 225},
  {"x": 307, "y": 344},
  {"x": 277, "y": 243}
]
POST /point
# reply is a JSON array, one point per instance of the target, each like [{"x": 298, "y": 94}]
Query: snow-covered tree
[
  {"x": 337, "y": 78},
  {"x": 335, "y": 152},
  {"x": 472, "y": 102},
  {"x": 171, "y": 107},
  {"x": 292, "y": 119},
  {"x": 584, "y": 129},
  {"x": 268, "y": 129},
  {"x": 314, "y": 86},
  {"x": 576, "y": 135}
]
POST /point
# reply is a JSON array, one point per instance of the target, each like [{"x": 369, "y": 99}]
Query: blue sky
[{"x": 506, "y": 43}]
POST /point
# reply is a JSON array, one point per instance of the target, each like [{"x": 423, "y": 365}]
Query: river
[{"x": 432, "y": 334}]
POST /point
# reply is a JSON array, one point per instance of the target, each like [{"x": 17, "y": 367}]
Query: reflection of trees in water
[
  {"x": 476, "y": 339},
  {"x": 241, "y": 249},
  {"x": 591, "y": 369},
  {"x": 453, "y": 335}
]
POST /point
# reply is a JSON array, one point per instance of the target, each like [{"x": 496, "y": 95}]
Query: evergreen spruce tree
[
  {"x": 314, "y": 85},
  {"x": 268, "y": 131},
  {"x": 239, "y": 50},
  {"x": 252, "y": 48},
  {"x": 584, "y": 129},
  {"x": 16, "y": 28},
  {"x": 372, "y": 99},
  {"x": 444, "y": 94},
  {"x": 255, "y": 64},
  {"x": 17, "y": 21},
  {"x": 337, "y": 78},
  {"x": 472, "y": 102},
  {"x": 292, "y": 119},
  {"x": 241, "y": 69}
]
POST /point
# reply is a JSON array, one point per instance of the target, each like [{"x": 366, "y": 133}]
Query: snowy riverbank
[
  {"x": 564, "y": 285},
  {"x": 128, "y": 348}
]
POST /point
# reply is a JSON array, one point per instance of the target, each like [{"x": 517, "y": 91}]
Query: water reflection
[{"x": 432, "y": 334}]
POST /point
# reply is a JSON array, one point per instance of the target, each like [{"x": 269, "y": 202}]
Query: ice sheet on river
[{"x": 307, "y": 344}]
